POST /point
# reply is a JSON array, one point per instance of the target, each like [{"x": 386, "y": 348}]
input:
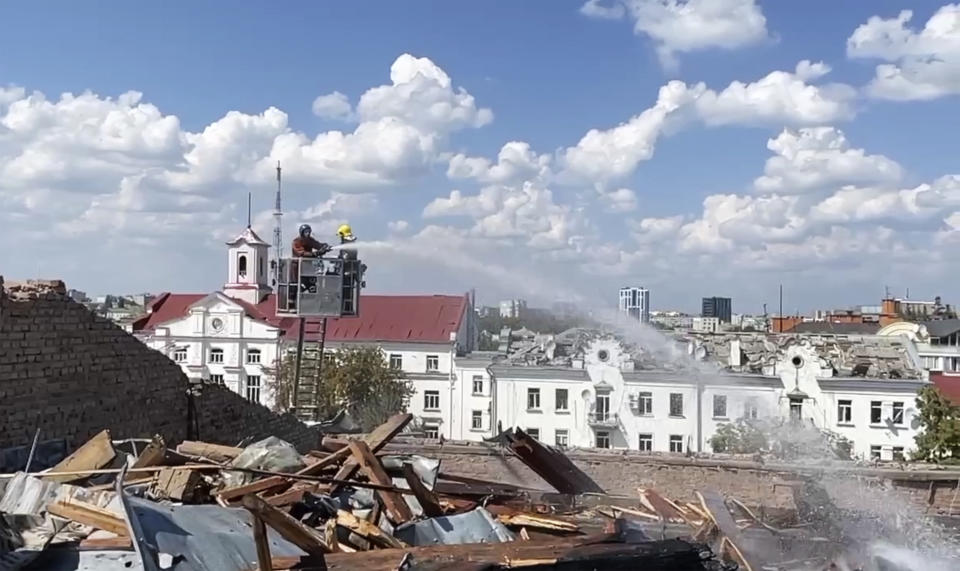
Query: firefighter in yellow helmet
[{"x": 346, "y": 237}]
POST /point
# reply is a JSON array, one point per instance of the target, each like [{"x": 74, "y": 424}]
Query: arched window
[
  {"x": 242, "y": 265},
  {"x": 253, "y": 356},
  {"x": 216, "y": 355}
]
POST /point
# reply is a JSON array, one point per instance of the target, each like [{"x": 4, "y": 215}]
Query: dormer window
[{"x": 242, "y": 265}]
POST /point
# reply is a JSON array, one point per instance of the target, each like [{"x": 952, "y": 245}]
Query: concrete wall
[{"x": 71, "y": 374}]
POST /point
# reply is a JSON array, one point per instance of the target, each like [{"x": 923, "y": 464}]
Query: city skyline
[{"x": 784, "y": 148}]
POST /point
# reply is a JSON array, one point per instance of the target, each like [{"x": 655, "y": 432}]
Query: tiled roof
[
  {"x": 948, "y": 385},
  {"x": 396, "y": 318}
]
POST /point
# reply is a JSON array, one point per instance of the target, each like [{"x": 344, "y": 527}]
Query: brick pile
[{"x": 71, "y": 373}]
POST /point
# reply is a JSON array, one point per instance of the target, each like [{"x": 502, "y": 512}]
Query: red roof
[
  {"x": 399, "y": 318},
  {"x": 948, "y": 385}
]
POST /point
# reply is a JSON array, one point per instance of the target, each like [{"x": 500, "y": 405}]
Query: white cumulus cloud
[
  {"x": 333, "y": 106},
  {"x": 922, "y": 64},
  {"x": 681, "y": 26},
  {"x": 818, "y": 158}
]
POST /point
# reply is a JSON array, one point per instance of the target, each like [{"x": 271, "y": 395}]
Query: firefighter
[
  {"x": 346, "y": 237},
  {"x": 306, "y": 246}
]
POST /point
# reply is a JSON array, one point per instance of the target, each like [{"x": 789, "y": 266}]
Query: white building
[
  {"x": 233, "y": 337},
  {"x": 512, "y": 308},
  {"x": 706, "y": 324},
  {"x": 635, "y": 302},
  {"x": 601, "y": 399},
  {"x": 937, "y": 342}
]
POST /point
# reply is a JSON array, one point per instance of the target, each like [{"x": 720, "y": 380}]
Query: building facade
[
  {"x": 234, "y": 337},
  {"x": 512, "y": 308},
  {"x": 601, "y": 399},
  {"x": 719, "y": 307},
  {"x": 635, "y": 303}
]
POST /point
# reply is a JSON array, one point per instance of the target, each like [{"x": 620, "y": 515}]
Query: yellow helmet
[{"x": 344, "y": 231}]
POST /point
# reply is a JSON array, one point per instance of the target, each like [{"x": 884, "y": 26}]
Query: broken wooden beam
[
  {"x": 367, "y": 530},
  {"x": 397, "y": 509},
  {"x": 154, "y": 454},
  {"x": 550, "y": 464},
  {"x": 90, "y": 515},
  {"x": 425, "y": 497},
  {"x": 215, "y": 452},
  {"x": 289, "y": 528},
  {"x": 587, "y": 552},
  {"x": 376, "y": 440},
  {"x": 93, "y": 455},
  {"x": 179, "y": 485},
  {"x": 716, "y": 511}
]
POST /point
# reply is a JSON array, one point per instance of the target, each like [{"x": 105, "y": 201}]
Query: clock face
[{"x": 216, "y": 324}]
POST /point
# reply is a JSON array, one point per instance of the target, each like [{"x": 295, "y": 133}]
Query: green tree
[
  {"x": 740, "y": 437},
  {"x": 940, "y": 427},
  {"x": 357, "y": 379}
]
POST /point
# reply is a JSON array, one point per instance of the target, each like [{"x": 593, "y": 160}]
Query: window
[
  {"x": 645, "y": 403},
  {"x": 646, "y": 443},
  {"x": 796, "y": 409},
  {"x": 897, "y": 412},
  {"x": 253, "y": 356},
  {"x": 562, "y": 438},
  {"x": 844, "y": 412},
  {"x": 898, "y": 453},
  {"x": 478, "y": 384},
  {"x": 217, "y": 380},
  {"x": 676, "y": 443},
  {"x": 876, "y": 412},
  {"x": 719, "y": 406},
  {"x": 476, "y": 420},
  {"x": 751, "y": 410},
  {"x": 561, "y": 400},
  {"x": 180, "y": 354},
  {"x": 603, "y": 439},
  {"x": 431, "y": 400},
  {"x": 253, "y": 388},
  {"x": 676, "y": 404},
  {"x": 396, "y": 361},
  {"x": 260, "y": 267},
  {"x": 433, "y": 363},
  {"x": 216, "y": 355},
  {"x": 242, "y": 266},
  {"x": 534, "y": 433},
  {"x": 533, "y": 399},
  {"x": 875, "y": 452},
  {"x": 431, "y": 431}
]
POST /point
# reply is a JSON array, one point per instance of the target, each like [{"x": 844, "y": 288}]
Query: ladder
[{"x": 306, "y": 393}]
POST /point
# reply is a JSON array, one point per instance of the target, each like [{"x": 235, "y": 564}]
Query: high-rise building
[
  {"x": 513, "y": 308},
  {"x": 635, "y": 302},
  {"x": 719, "y": 307}
]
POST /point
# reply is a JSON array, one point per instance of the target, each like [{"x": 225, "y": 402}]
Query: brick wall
[
  {"x": 621, "y": 473},
  {"x": 71, "y": 374}
]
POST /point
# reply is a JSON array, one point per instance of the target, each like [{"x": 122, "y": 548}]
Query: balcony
[{"x": 603, "y": 420}]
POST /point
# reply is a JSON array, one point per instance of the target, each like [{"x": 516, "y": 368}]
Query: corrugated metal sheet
[{"x": 477, "y": 526}]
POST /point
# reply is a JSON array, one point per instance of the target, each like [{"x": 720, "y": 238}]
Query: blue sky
[{"x": 549, "y": 72}]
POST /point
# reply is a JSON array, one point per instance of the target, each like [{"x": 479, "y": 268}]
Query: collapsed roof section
[{"x": 866, "y": 356}]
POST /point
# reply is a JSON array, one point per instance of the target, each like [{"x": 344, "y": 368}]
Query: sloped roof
[
  {"x": 836, "y": 328},
  {"x": 948, "y": 385},
  {"x": 395, "y": 318},
  {"x": 942, "y": 327},
  {"x": 248, "y": 236}
]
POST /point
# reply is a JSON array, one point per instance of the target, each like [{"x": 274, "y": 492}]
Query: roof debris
[{"x": 352, "y": 507}]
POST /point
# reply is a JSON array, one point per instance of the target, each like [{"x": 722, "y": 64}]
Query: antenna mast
[{"x": 277, "y": 215}]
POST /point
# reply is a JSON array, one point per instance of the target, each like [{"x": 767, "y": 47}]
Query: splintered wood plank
[
  {"x": 376, "y": 440},
  {"x": 263, "y": 547},
  {"x": 397, "y": 509},
  {"x": 367, "y": 530},
  {"x": 93, "y": 455},
  {"x": 428, "y": 500},
  {"x": 91, "y": 515},
  {"x": 716, "y": 511},
  {"x": 215, "y": 452},
  {"x": 152, "y": 455},
  {"x": 289, "y": 528}
]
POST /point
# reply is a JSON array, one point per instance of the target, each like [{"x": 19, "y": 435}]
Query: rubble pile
[
  {"x": 839, "y": 355},
  {"x": 198, "y": 506},
  {"x": 526, "y": 348}
]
